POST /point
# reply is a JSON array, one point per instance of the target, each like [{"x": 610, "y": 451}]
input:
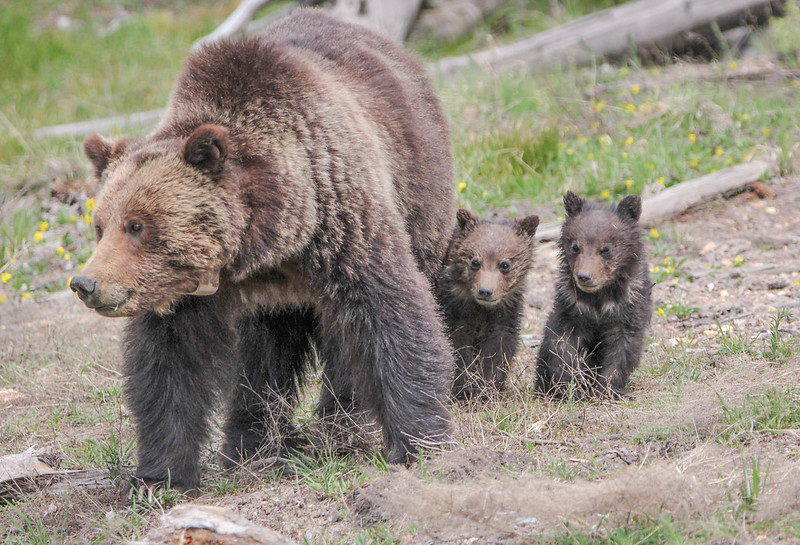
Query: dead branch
[
  {"x": 677, "y": 199},
  {"x": 606, "y": 33},
  {"x": 235, "y": 22}
]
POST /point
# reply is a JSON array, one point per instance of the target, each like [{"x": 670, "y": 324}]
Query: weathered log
[
  {"x": 103, "y": 125},
  {"x": 33, "y": 470},
  {"x": 447, "y": 20},
  {"x": 606, "y": 33},
  {"x": 207, "y": 525},
  {"x": 235, "y": 22},
  {"x": 675, "y": 200}
]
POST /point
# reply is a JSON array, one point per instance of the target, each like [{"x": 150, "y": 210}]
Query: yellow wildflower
[
  {"x": 89, "y": 205},
  {"x": 766, "y": 131},
  {"x": 590, "y": 155},
  {"x": 661, "y": 180},
  {"x": 635, "y": 89},
  {"x": 693, "y": 162},
  {"x": 732, "y": 65},
  {"x": 25, "y": 295},
  {"x": 605, "y": 193},
  {"x": 43, "y": 226},
  {"x": 666, "y": 260},
  {"x": 3, "y": 298},
  {"x": 598, "y": 105},
  {"x": 73, "y": 218},
  {"x": 629, "y": 141},
  {"x": 628, "y": 183},
  {"x": 660, "y": 311},
  {"x": 797, "y": 282},
  {"x": 60, "y": 251},
  {"x": 37, "y": 236},
  {"x": 745, "y": 117},
  {"x": 692, "y": 137},
  {"x": 87, "y": 217},
  {"x": 5, "y": 277},
  {"x": 718, "y": 150},
  {"x": 654, "y": 233},
  {"x": 630, "y": 107},
  {"x": 462, "y": 186},
  {"x": 738, "y": 261},
  {"x": 67, "y": 257}
]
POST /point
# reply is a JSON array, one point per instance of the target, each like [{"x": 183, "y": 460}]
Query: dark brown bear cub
[
  {"x": 481, "y": 292},
  {"x": 594, "y": 334}
]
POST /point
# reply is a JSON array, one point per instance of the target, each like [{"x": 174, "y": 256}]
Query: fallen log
[
  {"x": 675, "y": 200},
  {"x": 606, "y": 33},
  {"x": 201, "y": 524},
  {"x": 33, "y": 470}
]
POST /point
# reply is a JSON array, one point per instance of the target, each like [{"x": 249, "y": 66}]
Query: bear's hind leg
[{"x": 274, "y": 350}]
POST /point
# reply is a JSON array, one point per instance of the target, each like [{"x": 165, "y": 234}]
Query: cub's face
[
  {"x": 161, "y": 222},
  {"x": 598, "y": 242},
  {"x": 492, "y": 259}
]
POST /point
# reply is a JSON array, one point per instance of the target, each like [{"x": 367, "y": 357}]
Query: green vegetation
[{"x": 774, "y": 411}]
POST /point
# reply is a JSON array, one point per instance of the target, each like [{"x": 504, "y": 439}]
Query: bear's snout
[{"x": 84, "y": 286}]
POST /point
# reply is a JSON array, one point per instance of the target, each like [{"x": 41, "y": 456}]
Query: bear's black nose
[
  {"x": 584, "y": 277},
  {"x": 83, "y": 286},
  {"x": 484, "y": 292}
]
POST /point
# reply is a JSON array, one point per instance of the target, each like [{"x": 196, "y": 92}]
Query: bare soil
[{"x": 523, "y": 467}]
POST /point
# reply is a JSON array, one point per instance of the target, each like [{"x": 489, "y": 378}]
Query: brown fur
[
  {"x": 302, "y": 180},
  {"x": 594, "y": 335},
  {"x": 481, "y": 292}
]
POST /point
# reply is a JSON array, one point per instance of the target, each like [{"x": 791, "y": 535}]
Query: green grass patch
[{"x": 774, "y": 411}]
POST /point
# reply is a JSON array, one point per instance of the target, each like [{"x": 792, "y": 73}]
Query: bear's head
[
  {"x": 599, "y": 243},
  {"x": 164, "y": 222},
  {"x": 491, "y": 260}
]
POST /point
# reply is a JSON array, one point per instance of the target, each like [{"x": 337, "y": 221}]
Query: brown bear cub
[
  {"x": 481, "y": 292},
  {"x": 293, "y": 206},
  {"x": 594, "y": 334}
]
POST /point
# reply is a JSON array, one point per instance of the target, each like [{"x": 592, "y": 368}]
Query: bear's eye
[
  {"x": 475, "y": 264},
  {"x": 505, "y": 266},
  {"x": 134, "y": 227},
  {"x": 575, "y": 249},
  {"x": 605, "y": 251},
  {"x": 98, "y": 232}
]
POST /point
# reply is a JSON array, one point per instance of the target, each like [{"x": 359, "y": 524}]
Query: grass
[{"x": 774, "y": 411}]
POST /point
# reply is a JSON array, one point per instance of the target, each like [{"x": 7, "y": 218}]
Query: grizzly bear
[
  {"x": 292, "y": 206},
  {"x": 481, "y": 292},
  {"x": 594, "y": 335}
]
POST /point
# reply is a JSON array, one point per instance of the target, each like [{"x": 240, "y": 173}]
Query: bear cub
[
  {"x": 594, "y": 334},
  {"x": 481, "y": 291}
]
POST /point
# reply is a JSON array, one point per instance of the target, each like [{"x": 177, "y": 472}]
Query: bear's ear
[
  {"x": 466, "y": 221},
  {"x": 630, "y": 208},
  {"x": 527, "y": 226},
  {"x": 100, "y": 151},
  {"x": 207, "y": 147},
  {"x": 572, "y": 204}
]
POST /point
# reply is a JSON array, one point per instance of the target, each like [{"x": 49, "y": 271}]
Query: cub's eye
[
  {"x": 134, "y": 227},
  {"x": 575, "y": 249},
  {"x": 605, "y": 251},
  {"x": 475, "y": 264},
  {"x": 505, "y": 266},
  {"x": 98, "y": 232}
]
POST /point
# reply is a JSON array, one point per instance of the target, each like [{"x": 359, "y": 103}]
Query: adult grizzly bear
[{"x": 298, "y": 193}]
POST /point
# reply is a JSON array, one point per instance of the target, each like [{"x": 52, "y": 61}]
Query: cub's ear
[
  {"x": 100, "y": 151},
  {"x": 573, "y": 204},
  {"x": 527, "y": 225},
  {"x": 630, "y": 208},
  {"x": 466, "y": 221},
  {"x": 207, "y": 147}
]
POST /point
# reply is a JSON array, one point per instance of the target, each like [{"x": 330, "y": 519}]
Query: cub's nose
[
  {"x": 484, "y": 292},
  {"x": 84, "y": 286},
  {"x": 584, "y": 277}
]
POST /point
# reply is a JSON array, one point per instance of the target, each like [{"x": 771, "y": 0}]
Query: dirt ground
[{"x": 522, "y": 467}]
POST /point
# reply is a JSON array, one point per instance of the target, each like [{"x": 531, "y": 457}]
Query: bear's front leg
[
  {"x": 464, "y": 379},
  {"x": 380, "y": 330},
  {"x": 175, "y": 367},
  {"x": 562, "y": 361},
  {"x": 621, "y": 351}
]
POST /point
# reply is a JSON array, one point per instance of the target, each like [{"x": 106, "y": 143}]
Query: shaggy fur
[
  {"x": 301, "y": 182},
  {"x": 594, "y": 334},
  {"x": 481, "y": 292}
]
